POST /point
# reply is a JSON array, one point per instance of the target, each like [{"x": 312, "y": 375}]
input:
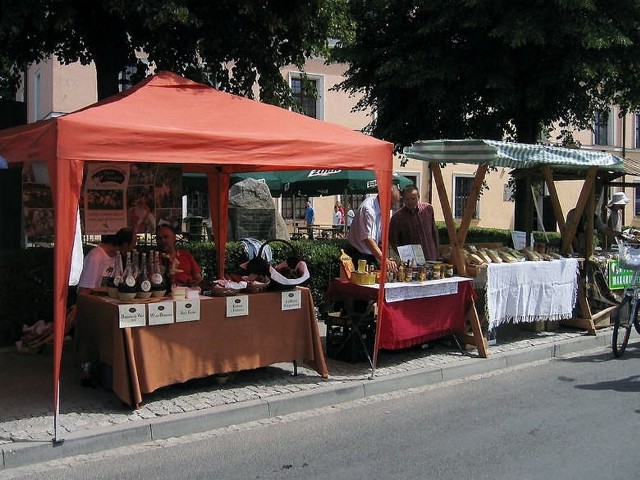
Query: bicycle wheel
[
  {"x": 636, "y": 320},
  {"x": 622, "y": 326}
]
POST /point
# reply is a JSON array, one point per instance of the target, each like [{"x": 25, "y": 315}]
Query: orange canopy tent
[{"x": 169, "y": 119}]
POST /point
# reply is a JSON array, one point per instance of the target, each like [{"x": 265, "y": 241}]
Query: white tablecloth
[
  {"x": 531, "y": 291},
  {"x": 398, "y": 291}
]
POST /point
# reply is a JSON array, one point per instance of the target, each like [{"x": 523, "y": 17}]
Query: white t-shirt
[
  {"x": 337, "y": 217},
  {"x": 97, "y": 265},
  {"x": 350, "y": 215},
  {"x": 366, "y": 224}
]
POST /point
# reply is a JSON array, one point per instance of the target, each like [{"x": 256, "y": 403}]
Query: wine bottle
[
  {"x": 158, "y": 283},
  {"x": 167, "y": 265},
  {"x": 127, "y": 287},
  {"x": 116, "y": 276},
  {"x": 135, "y": 263},
  {"x": 143, "y": 283}
]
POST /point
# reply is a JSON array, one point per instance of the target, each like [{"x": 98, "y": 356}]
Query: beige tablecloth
[{"x": 144, "y": 359}]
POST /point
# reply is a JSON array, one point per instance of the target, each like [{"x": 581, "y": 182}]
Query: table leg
[{"x": 477, "y": 339}]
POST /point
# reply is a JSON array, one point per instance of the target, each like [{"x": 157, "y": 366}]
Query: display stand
[
  {"x": 416, "y": 312},
  {"x": 528, "y": 162},
  {"x": 143, "y": 359}
]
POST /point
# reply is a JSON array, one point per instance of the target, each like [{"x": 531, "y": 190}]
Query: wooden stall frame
[{"x": 586, "y": 200}]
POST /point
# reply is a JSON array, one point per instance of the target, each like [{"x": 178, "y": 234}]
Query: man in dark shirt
[{"x": 414, "y": 224}]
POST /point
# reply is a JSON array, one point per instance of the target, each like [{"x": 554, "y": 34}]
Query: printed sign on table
[
  {"x": 187, "y": 310},
  {"x": 412, "y": 252},
  {"x": 132, "y": 315},
  {"x": 161, "y": 313},
  {"x": 519, "y": 239},
  {"x": 238, "y": 306},
  {"x": 291, "y": 300}
]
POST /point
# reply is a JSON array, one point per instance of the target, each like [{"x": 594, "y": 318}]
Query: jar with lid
[
  {"x": 401, "y": 272},
  {"x": 422, "y": 273},
  {"x": 408, "y": 274},
  {"x": 437, "y": 271},
  {"x": 448, "y": 270}
]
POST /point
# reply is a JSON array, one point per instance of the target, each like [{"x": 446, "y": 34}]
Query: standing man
[
  {"x": 186, "y": 271},
  {"x": 365, "y": 236},
  {"x": 414, "y": 224},
  {"x": 309, "y": 217}
]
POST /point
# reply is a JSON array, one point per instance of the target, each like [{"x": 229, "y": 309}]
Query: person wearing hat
[
  {"x": 609, "y": 230},
  {"x": 616, "y": 209}
]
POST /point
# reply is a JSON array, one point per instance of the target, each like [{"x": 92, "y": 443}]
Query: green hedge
[
  {"x": 492, "y": 235},
  {"x": 26, "y": 276}
]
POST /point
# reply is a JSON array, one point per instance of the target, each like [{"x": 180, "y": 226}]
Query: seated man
[{"x": 185, "y": 270}]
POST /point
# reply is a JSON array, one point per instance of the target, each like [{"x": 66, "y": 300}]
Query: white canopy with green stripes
[{"x": 510, "y": 155}]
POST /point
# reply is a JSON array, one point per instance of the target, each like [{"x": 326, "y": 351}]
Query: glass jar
[
  {"x": 448, "y": 270},
  {"x": 437, "y": 272}
]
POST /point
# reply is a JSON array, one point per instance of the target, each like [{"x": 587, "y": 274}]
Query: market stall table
[
  {"x": 146, "y": 358},
  {"x": 419, "y": 311}
]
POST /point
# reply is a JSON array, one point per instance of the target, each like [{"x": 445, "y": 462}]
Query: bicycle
[{"x": 629, "y": 308}]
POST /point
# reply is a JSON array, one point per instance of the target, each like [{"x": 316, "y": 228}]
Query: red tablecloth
[{"x": 412, "y": 322}]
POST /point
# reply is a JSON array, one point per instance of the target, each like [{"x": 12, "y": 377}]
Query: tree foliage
[
  {"x": 489, "y": 68},
  {"x": 229, "y": 44}
]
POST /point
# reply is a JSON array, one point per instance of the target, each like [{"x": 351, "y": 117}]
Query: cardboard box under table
[
  {"x": 146, "y": 358},
  {"x": 416, "y": 311}
]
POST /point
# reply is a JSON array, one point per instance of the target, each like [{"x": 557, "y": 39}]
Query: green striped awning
[{"x": 510, "y": 155}]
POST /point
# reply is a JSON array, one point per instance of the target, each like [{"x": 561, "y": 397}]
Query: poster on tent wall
[
  {"x": 168, "y": 195},
  {"x": 37, "y": 202},
  {"x": 138, "y": 195},
  {"x": 104, "y": 197}
]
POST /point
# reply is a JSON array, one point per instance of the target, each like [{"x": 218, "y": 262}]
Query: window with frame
[
  {"x": 636, "y": 201},
  {"x": 306, "y": 93},
  {"x": 293, "y": 207},
  {"x": 602, "y": 130},
  {"x": 637, "y": 130},
  {"x": 461, "y": 191},
  {"x": 37, "y": 96},
  {"x": 353, "y": 200},
  {"x": 197, "y": 204}
]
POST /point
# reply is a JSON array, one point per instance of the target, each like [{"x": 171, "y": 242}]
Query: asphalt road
[{"x": 571, "y": 418}]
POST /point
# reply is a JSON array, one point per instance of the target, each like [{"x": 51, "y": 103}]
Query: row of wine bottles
[{"x": 143, "y": 276}]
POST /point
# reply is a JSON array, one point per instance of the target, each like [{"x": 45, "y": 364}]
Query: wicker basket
[
  {"x": 221, "y": 288},
  {"x": 224, "y": 292},
  {"x": 257, "y": 287},
  {"x": 279, "y": 273}
]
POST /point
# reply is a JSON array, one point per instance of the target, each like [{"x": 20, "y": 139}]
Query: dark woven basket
[{"x": 260, "y": 266}]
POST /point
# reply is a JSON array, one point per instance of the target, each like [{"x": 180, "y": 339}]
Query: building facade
[{"x": 51, "y": 89}]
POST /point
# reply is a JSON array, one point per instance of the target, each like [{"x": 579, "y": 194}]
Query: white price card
[
  {"x": 238, "y": 306},
  {"x": 187, "y": 310},
  {"x": 132, "y": 315},
  {"x": 291, "y": 300},
  {"x": 519, "y": 239},
  {"x": 412, "y": 252},
  {"x": 160, "y": 313}
]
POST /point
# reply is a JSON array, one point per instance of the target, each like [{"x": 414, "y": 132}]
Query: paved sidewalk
[{"x": 95, "y": 419}]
